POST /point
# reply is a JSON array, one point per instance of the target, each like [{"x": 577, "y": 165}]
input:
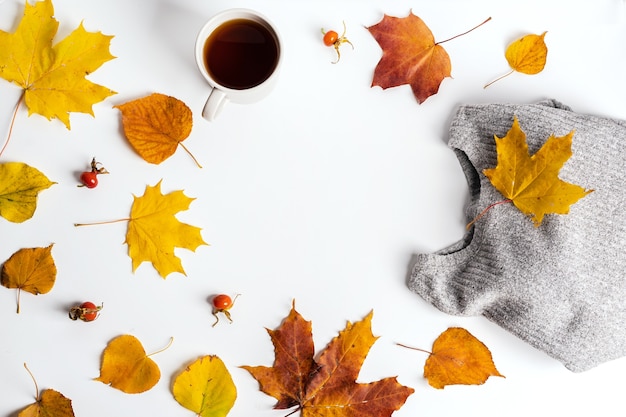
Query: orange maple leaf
[
  {"x": 458, "y": 358},
  {"x": 532, "y": 183},
  {"x": 411, "y": 55},
  {"x": 326, "y": 387}
]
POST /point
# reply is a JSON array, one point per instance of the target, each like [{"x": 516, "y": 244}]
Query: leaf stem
[
  {"x": 294, "y": 411},
  {"x": 34, "y": 381},
  {"x": 190, "y": 154},
  {"x": 105, "y": 222},
  {"x": 19, "y": 292},
  {"x": 163, "y": 349},
  {"x": 499, "y": 78},
  {"x": 17, "y": 106},
  {"x": 414, "y": 348},
  {"x": 464, "y": 33},
  {"x": 482, "y": 213}
]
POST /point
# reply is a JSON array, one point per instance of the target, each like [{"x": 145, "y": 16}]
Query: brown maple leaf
[
  {"x": 326, "y": 387},
  {"x": 411, "y": 55}
]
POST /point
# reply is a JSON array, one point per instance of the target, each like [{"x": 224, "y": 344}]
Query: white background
[{"x": 320, "y": 193}]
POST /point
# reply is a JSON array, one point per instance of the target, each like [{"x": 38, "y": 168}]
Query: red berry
[
  {"x": 87, "y": 311},
  {"x": 222, "y": 302},
  {"x": 330, "y": 38},
  {"x": 89, "y": 179}
]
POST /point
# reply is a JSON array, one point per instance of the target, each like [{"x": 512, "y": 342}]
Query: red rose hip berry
[
  {"x": 87, "y": 311},
  {"x": 221, "y": 304}
]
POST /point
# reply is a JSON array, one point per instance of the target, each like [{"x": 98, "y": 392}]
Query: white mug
[{"x": 239, "y": 53}]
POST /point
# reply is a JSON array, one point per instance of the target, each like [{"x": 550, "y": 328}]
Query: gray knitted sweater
[{"x": 560, "y": 286}]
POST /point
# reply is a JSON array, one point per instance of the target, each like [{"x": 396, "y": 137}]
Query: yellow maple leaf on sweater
[{"x": 532, "y": 183}]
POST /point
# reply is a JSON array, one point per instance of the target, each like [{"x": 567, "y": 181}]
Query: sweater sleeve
[{"x": 559, "y": 286}]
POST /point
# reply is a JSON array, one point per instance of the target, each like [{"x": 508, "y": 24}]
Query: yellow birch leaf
[
  {"x": 155, "y": 125},
  {"x": 527, "y": 55},
  {"x": 32, "y": 270},
  {"x": 126, "y": 367},
  {"x": 49, "y": 403},
  {"x": 206, "y": 387},
  {"x": 53, "y": 77},
  {"x": 154, "y": 231},
  {"x": 532, "y": 183},
  {"x": 20, "y": 185}
]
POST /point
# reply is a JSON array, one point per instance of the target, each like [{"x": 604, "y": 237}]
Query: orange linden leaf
[
  {"x": 156, "y": 125},
  {"x": 458, "y": 358}
]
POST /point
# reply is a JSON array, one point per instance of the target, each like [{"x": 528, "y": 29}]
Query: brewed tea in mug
[{"x": 241, "y": 53}]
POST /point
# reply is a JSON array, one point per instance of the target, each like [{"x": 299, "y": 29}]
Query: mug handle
[{"x": 214, "y": 104}]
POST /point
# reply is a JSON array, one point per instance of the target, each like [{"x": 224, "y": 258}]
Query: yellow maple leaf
[
  {"x": 53, "y": 77},
  {"x": 205, "y": 387},
  {"x": 156, "y": 125},
  {"x": 532, "y": 182},
  {"x": 154, "y": 231},
  {"x": 527, "y": 55},
  {"x": 126, "y": 366},
  {"x": 20, "y": 185},
  {"x": 32, "y": 270}
]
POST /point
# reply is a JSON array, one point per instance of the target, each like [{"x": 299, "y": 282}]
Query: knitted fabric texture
[{"x": 560, "y": 286}]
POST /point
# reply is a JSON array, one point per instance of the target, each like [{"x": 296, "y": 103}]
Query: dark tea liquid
[{"x": 241, "y": 54}]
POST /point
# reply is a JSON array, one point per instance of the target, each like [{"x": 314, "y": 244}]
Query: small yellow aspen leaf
[
  {"x": 156, "y": 125},
  {"x": 20, "y": 185},
  {"x": 53, "y": 77},
  {"x": 457, "y": 358},
  {"x": 31, "y": 270},
  {"x": 527, "y": 55},
  {"x": 126, "y": 367},
  {"x": 49, "y": 403},
  {"x": 206, "y": 387},
  {"x": 532, "y": 183}
]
